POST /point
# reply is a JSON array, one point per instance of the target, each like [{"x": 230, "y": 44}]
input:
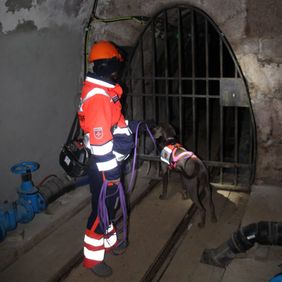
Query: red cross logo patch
[{"x": 98, "y": 132}]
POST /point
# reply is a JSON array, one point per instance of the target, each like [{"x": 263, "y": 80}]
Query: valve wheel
[{"x": 24, "y": 167}]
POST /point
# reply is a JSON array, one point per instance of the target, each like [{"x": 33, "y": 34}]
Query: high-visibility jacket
[{"x": 106, "y": 132}]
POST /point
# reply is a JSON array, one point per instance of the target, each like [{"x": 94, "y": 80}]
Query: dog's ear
[
  {"x": 168, "y": 130},
  {"x": 157, "y": 132},
  {"x": 171, "y": 131}
]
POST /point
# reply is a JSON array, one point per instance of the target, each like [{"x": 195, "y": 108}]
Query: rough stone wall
[
  {"x": 260, "y": 57},
  {"x": 254, "y": 30},
  {"x": 41, "y": 47}
]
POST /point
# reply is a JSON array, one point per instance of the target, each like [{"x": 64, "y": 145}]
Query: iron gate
[{"x": 183, "y": 71}]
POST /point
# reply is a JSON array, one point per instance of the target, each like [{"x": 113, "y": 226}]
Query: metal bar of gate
[
  {"x": 143, "y": 81},
  {"x": 180, "y": 90},
  {"x": 252, "y": 170},
  {"x": 221, "y": 111},
  {"x": 166, "y": 68},
  {"x": 154, "y": 71},
  {"x": 193, "y": 78},
  {"x": 208, "y": 163},
  {"x": 236, "y": 133},
  {"x": 236, "y": 144},
  {"x": 173, "y": 78},
  {"x": 182, "y": 95},
  {"x": 130, "y": 91},
  {"x": 207, "y": 92},
  {"x": 143, "y": 91}
]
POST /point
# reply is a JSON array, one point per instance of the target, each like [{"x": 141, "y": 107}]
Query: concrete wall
[
  {"x": 41, "y": 69},
  {"x": 41, "y": 50},
  {"x": 254, "y": 30}
]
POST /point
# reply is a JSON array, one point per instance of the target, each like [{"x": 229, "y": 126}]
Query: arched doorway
[{"x": 183, "y": 71}]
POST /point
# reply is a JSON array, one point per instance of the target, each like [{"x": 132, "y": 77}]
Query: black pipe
[
  {"x": 263, "y": 232},
  {"x": 54, "y": 188}
]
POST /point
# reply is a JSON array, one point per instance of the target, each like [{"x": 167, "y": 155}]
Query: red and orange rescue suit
[{"x": 110, "y": 141}]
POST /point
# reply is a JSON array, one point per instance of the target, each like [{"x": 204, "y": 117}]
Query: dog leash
[
  {"x": 103, "y": 211},
  {"x": 135, "y": 152}
]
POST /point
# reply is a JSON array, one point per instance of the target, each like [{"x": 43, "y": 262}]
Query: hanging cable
[
  {"x": 86, "y": 36},
  {"x": 94, "y": 19},
  {"x": 138, "y": 19}
]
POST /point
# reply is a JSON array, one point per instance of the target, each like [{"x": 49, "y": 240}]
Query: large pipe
[
  {"x": 263, "y": 232},
  {"x": 32, "y": 199},
  {"x": 52, "y": 189}
]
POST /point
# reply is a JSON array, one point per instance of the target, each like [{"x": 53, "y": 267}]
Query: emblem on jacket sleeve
[{"x": 98, "y": 132}]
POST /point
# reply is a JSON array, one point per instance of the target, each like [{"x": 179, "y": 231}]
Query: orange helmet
[{"x": 104, "y": 50}]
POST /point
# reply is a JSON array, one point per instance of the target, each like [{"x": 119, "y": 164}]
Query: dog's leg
[
  {"x": 200, "y": 205},
  {"x": 208, "y": 193},
  {"x": 163, "y": 196},
  {"x": 185, "y": 193},
  {"x": 194, "y": 190},
  {"x": 211, "y": 204}
]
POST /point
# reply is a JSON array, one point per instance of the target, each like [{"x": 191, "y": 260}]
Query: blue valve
[
  {"x": 29, "y": 203},
  {"x": 25, "y": 169},
  {"x": 276, "y": 278}
]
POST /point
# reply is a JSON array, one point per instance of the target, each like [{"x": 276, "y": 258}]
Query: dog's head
[{"x": 164, "y": 134}]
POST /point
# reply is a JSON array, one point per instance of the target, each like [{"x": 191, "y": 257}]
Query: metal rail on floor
[{"x": 162, "y": 261}]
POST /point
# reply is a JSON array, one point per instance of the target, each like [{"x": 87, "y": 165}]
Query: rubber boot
[
  {"x": 120, "y": 249},
  {"x": 102, "y": 270}
]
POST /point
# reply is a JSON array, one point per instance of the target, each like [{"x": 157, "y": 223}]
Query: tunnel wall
[
  {"x": 41, "y": 72},
  {"x": 41, "y": 47}
]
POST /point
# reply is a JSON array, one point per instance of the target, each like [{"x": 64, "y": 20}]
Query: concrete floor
[
  {"x": 149, "y": 231},
  {"x": 31, "y": 253}
]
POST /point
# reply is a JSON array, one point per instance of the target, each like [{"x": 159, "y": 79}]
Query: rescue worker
[{"x": 110, "y": 141}]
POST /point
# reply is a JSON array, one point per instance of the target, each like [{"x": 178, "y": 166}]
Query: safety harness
[{"x": 169, "y": 157}]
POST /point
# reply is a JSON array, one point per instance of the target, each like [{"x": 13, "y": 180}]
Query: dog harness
[{"x": 168, "y": 154}]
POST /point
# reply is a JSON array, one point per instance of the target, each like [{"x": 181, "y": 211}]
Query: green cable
[{"x": 138, "y": 19}]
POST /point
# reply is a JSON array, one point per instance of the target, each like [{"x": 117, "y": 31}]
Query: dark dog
[{"x": 194, "y": 173}]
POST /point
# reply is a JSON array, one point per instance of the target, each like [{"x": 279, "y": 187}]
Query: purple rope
[
  {"x": 134, "y": 159},
  {"x": 135, "y": 153},
  {"x": 103, "y": 211},
  {"x": 124, "y": 211},
  {"x": 151, "y": 135},
  {"x": 102, "y": 208}
]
